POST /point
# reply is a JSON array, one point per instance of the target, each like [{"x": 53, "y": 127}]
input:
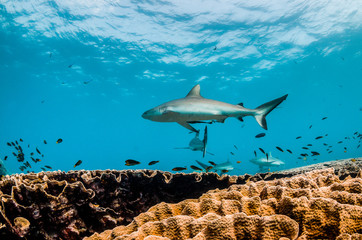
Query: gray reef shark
[
  {"x": 226, "y": 166},
  {"x": 267, "y": 162},
  {"x": 195, "y": 109},
  {"x": 197, "y": 145}
]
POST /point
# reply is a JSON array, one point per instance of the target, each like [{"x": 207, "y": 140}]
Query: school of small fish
[{"x": 307, "y": 151}]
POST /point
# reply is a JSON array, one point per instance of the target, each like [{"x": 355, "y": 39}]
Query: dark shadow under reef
[{"x": 72, "y": 205}]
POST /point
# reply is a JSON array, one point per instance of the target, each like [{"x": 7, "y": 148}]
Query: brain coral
[
  {"x": 76, "y": 204},
  {"x": 315, "y": 205},
  {"x": 59, "y": 205}
]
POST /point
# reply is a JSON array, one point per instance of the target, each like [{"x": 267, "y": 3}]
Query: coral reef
[
  {"x": 76, "y": 204},
  {"x": 314, "y": 205},
  {"x": 54, "y": 205}
]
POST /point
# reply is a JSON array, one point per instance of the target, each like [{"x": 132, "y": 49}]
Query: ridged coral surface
[
  {"x": 72, "y": 205},
  {"x": 314, "y": 205},
  {"x": 76, "y": 204}
]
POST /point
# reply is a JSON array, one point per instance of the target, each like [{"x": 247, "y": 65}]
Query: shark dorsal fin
[{"x": 194, "y": 92}]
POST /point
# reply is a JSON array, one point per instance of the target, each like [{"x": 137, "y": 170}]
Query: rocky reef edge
[{"x": 321, "y": 201}]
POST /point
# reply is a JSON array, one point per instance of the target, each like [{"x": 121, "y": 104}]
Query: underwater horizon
[{"x": 86, "y": 71}]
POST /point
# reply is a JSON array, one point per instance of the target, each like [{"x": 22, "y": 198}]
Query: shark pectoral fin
[
  {"x": 188, "y": 126},
  {"x": 205, "y": 142}
]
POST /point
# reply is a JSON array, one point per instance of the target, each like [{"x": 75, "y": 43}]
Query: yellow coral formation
[
  {"x": 21, "y": 225},
  {"x": 314, "y": 205}
]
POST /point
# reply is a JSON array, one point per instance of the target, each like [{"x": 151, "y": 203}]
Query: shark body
[
  {"x": 267, "y": 162},
  {"x": 195, "y": 109},
  {"x": 226, "y": 166},
  {"x": 196, "y": 144}
]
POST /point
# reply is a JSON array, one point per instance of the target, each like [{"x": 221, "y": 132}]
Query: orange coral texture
[{"x": 314, "y": 205}]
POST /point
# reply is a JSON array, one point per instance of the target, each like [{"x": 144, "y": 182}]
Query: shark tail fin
[{"x": 263, "y": 110}]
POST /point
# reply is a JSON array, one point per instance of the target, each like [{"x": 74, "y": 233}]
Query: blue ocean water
[{"x": 85, "y": 71}]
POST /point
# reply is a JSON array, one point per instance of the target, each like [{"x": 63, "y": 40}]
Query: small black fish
[
  {"x": 59, "y": 140},
  {"x": 232, "y": 153},
  {"x": 319, "y": 137},
  {"x": 330, "y": 151},
  {"x": 262, "y": 150},
  {"x": 195, "y": 168},
  {"x": 300, "y": 158},
  {"x": 179, "y": 168},
  {"x": 279, "y": 149},
  {"x": 70, "y": 66},
  {"x": 6, "y": 157},
  {"x": 309, "y": 145},
  {"x": 340, "y": 142},
  {"x": 16, "y": 142},
  {"x": 326, "y": 135},
  {"x": 42, "y": 101},
  {"x": 131, "y": 162},
  {"x": 345, "y": 148},
  {"x": 304, "y": 154},
  {"x": 260, "y": 135},
  {"x": 305, "y": 148},
  {"x": 43, "y": 169},
  {"x": 212, "y": 163},
  {"x": 33, "y": 159},
  {"x": 315, "y": 153},
  {"x": 37, "y": 160},
  {"x": 48, "y": 166},
  {"x": 224, "y": 171},
  {"x": 86, "y": 82},
  {"x": 79, "y": 162},
  {"x": 20, "y": 148},
  {"x": 358, "y": 145},
  {"x": 289, "y": 151},
  {"x": 153, "y": 162},
  {"x": 325, "y": 144},
  {"x": 208, "y": 168},
  {"x": 38, "y": 150},
  {"x": 42, "y": 155},
  {"x": 9, "y": 144},
  {"x": 215, "y": 48},
  {"x": 324, "y": 118},
  {"x": 45, "y": 142},
  {"x": 255, "y": 153},
  {"x": 15, "y": 154},
  {"x": 31, "y": 154},
  {"x": 28, "y": 145},
  {"x": 298, "y": 137},
  {"x": 236, "y": 147},
  {"x": 27, "y": 164},
  {"x": 12, "y": 143},
  {"x": 310, "y": 126},
  {"x": 17, "y": 148}
]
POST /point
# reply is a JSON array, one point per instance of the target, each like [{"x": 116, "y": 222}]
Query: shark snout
[{"x": 146, "y": 115}]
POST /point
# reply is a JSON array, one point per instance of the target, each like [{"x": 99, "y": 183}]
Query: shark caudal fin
[{"x": 263, "y": 110}]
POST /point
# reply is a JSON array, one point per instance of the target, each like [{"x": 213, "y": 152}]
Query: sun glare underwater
[{"x": 83, "y": 82}]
